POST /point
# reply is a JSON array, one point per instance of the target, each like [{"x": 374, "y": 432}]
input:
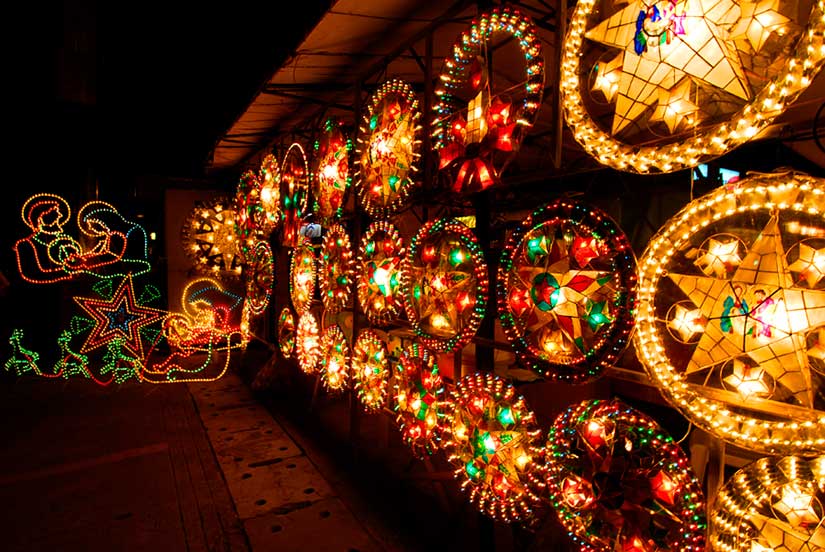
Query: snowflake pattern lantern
[
  {"x": 378, "y": 282},
  {"x": 490, "y": 437},
  {"x": 731, "y": 312},
  {"x": 336, "y": 269},
  {"x": 445, "y": 285},
  {"x": 566, "y": 291},
  {"x": 387, "y": 149},
  {"x": 335, "y": 359},
  {"x": 618, "y": 481},
  {"x": 259, "y": 272},
  {"x": 773, "y": 504},
  {"x": 210, "y": 240},
  {"x": 331, "y": 175},
  {"x": 294, "y": 192},
  {"x": 286, "y": 332},
  {"x": 302, "y": 277},
  {"x": 660, "y": 85},
  {"x": 476, "y": 129},
  {"x": 370, "y": 370},
  {"x": 307, "y": 343},
  {"x": 419, "y": 390}
]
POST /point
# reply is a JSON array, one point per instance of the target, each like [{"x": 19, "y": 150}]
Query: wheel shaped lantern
[
  {"x": 370, "y": 370},
  {"x": 335, "y": 359},
  {"x": 210, "y": 239},
  {"x": 286, "y": 332},
  {"x": 302, "y": 277},
  {"x": 336, "y": 269},
  {"x": 378, "y": 281},
  {"x": 331, "y": 176},
  {"x": 308, "y": 343},
  {"x": 259, "y": 272},
  {"x": 294, "y": 192},
  {"x": 419, "y": 398}
]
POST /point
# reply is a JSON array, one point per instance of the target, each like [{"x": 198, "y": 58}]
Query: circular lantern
[
  {"x": 307, "y": 343},
  {"x": 773, "y": 504},
  {"x": 693, "y": 78},
  {"x": 618, "y": 481},
  {"x": 286, "y": 332},
  {"x": 490, "y": 436},
  {"x": 247, "y": 210},
  {"x": 336, "y": 269},
  {"x": 335, "y": 355},
  {"x": 445, "y": 285},
  {"x": 260, "y": 277},
  {"x": 566, "y": 291},
  {"x": 418, "y": 398},
  {"x": 332, "y": 178},
  {"x": 732, "y": 311},
  {"x": 302, "y": 277},
  {"x": 388, "y": 148},
  {"x": 294, "y": 191},
  {"x": 370, "y": 371},
  {"x": 269, "y": 181},
  {"x": 478, "y": 129},
  {"x": 379, "y": 273},
  {"x": 210, "y": 240}
]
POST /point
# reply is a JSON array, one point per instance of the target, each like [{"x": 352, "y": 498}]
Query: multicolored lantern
[
  {"x": 731, "y": 310},
  {"x": 336, "y": 268},
  {"x": 618, "y": 481},
  {"x": 302, "y": 277},
  {"x": 772, "y": 504},
  {"x": 445, "y": 285},
  {"x": 490, "y": 437},
  {"x": 566, "y": 291},
  {"x": 419, "y": 399},
  {"x": 370, "y": 370},
  {"x": 294, "y": 192},
  {"x": 308, "y": 343},
  {"x": 257, "y": 205},
  {"x": 286, "y": 332},
  {"x": 379, "y": 273},
  {"x": 269, "y": 194},
  {"x": 476, "y": 129},
  {"x": 210, "y": 240},
  {"x": 335, "y": 358},
  {"x": 387, "y": 149},
  {"x": 331, "y": 176},
  {"x": 259, "y": 272},
  {"x": 696, "y": 79}
]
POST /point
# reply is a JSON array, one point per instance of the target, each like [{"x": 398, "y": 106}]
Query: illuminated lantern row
[
  {"x": 732, "y": 312},
  {"x": 477, "y": 130},
  {"x": 336, "y": 268},
  {"x": 378, "y": 280},
  {"x": 259, "y": 272},
  {"x": 294, "y": 192},
  {"x": 286, "y": 332},
  {"x": 370, "y": 370},
  {"x": 335, "y": 358},
  {"x": 619, "y": 482},
  {"x": 774, "y": 504},
  {"x": 419, "y": 399},
  {"x": 695, "y": 78},
  {"x": 210, "y": 240},
  {"x": 445, "y": 285},
  {"x": 331, "y": 175},
  {"x": 302, "y": 277},
  {"x": 566, "y": 291},
  {"x": 388, "y": 149},
  {"x": 308, "y": 343},
  {"x": 490, "y": 437},
  {"x": 257, "y": 201}
]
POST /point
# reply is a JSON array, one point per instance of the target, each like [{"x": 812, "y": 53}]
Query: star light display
[
  {"x": 746, "y": 370},
  {"x": 307, "y": 343},
  {"x": 331, "y": 176},
  {"x": 566, "y": 291},
  {"x": 336, "y": 274},
  {"x": 259, "y": 272},
  {"x": 378, "y": 279},
  {"x": 370, "y": 370},
  {"x": 618, "y": 481},
  {"x": 684, "y": 80},
  {"x": 477, "y": 130},
  {"x": 490, "y": 437},
  {"x": 388, "y": 148},
  {"x": 774, "y": 504},
  {"x": 418, "y": 397},
  {"x": 210, "y": 240},
  {"x": 294, "y": 192},
  {"x": 445, "y": 285},
  {"x": 286, "y": 332},
  {"x": 302, "y": 277},
  {"x": 335, "y": 359}
]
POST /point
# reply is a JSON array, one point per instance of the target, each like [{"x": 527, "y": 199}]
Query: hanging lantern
[
  {"x": 302, "y": 277},
  {"x": 307, "y": 343},
  {"x": 286, "y": 332},
  {"x": 379, "y": 273},
  {"x": 294, "y": 192},
  {"x": 335, "y": 358},
  {"x": 209, "y": 239},
  {"x": 731, "y": 309},
  {"x": 418, "y": 399},
  {"x": 566, "y": 291},
  {"x": 331, "y": 176},
  {"x": 336, "y": 269},
  {"x": 370, "y": 370},
  {"x": 269, "y": 194},
  {"x": 445, "y": 285},
  {"x": 259, "y": 272}
]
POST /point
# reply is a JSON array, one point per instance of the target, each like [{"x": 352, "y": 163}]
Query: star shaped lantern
[
  {"x": 211, "y": 241},
  {"x": 445, "y": 284},
  {"x": 335, "y": 360},
  {"x": 418, "y": 399},
  {"x": 747, "y": 310},
  {"x": 379, "y": 273},
  {"x": 370, "y": 369},
  {"x": 660, "y": 85},
  {"x": 566, "y": 291}
]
